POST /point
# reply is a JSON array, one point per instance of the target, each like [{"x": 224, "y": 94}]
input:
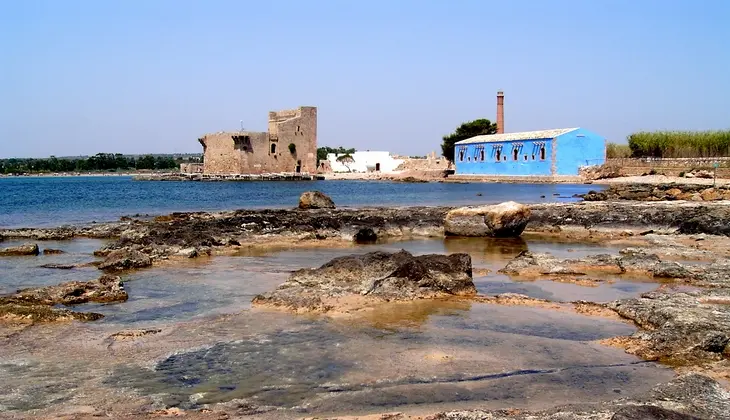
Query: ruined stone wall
[
  {"x": 191, "y": 168},
  {"x": 258, "y": 153}
]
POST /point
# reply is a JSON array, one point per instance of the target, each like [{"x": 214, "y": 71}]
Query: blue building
[{"x": 558, "y": 152}]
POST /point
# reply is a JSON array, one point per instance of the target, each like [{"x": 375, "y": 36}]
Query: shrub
[
  {"x": 292, "y": 148},
  {"x": 617, "y": 151}
]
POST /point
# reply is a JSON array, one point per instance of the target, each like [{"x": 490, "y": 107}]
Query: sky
[{"x": 151, "y": 76}]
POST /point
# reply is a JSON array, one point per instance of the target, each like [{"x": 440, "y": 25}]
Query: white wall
[{"x": 365, "y": 162}]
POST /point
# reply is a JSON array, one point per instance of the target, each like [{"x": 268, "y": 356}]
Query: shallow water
[{"x": 415, "y": 356}]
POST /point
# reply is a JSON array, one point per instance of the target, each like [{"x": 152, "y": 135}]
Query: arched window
[
  {"x": 461, "y": 154},
  {"x": 542, "y": 152},
  {"x": 499, "y": 155},
  {"x": 273, "y": 148},
  {"x": 481, "y": 155},
  {"x": 515, "y": 151}
]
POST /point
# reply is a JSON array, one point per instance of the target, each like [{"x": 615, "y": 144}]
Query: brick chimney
[{"x": 500, "y": 112}]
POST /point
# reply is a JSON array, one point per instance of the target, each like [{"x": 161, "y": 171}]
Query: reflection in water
[{"x": 395, "y": 355}]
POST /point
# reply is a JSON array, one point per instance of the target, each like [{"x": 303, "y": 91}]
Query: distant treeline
[{"x": 98, "y": 162}]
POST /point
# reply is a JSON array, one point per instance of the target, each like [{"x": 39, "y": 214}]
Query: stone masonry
[{"x": 290, "y": 145}]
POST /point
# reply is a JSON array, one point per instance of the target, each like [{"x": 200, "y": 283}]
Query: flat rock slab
[
  {"x": 500, "y": 220},
  {"x": 379, "y": 276},
  {"x": 125, "y": 259},
  {"x": 681, "y": 328},
  {"x": 25, "y": 249},
  {"x": 689, "y": 397},
  {"x": 105, "y": 289}
]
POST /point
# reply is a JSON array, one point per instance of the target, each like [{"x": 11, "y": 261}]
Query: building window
[
  {"x": 468, "y": 158},
  {"x": 499, "y": 155},
  {"x": 515, "y": 151},
  {"x": 525, "y": 157},
  {"x": 542, "y": 152},
  {"x": 533, "y": 157},
  {"x": 481, "y": 155},
  {"x": 273, "y": 148},
  {"x": 461, "y": 154},
  {"x": 504, "y": 157}
]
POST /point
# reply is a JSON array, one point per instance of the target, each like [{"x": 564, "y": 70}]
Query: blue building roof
[{"x": 525, "y": 135}]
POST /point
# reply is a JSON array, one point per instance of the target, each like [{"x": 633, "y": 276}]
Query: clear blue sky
[{"x": 151, "y": 76}]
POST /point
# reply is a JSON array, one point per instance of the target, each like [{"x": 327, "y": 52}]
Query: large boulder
[
  {"x": 125, "y": 259},
  {"x": 25, "y": 249},
  {"x": 377, "y": 275},
  {"x": 315, "y": 200},
  {"x": 105, "y": 289},
  {"x": 500, "y": 220}
]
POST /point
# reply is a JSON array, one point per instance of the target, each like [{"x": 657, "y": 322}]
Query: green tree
[
  {"x": 322, "y": 152},
  {"x": 464, "y": 131},
  {"x": 346, "y": 160}
]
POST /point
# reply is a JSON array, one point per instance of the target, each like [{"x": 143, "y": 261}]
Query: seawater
[{"x": 54, "y": 201}]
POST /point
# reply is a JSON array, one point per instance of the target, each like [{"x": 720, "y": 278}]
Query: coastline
[{"x": 668, "y": 230}]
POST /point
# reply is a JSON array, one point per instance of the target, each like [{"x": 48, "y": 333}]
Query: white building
[{"x": 364, "y": 162}]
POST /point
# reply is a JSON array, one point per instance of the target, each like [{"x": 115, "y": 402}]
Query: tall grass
[
  {"x": 617, "y": 151},
  {"x": 680, "y": 144}
]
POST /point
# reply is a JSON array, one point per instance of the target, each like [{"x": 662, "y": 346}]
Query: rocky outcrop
[
  {"x": 688, "y": 397},
  {"x": 376, "y": 275},
  {"x": 11, "y": 312},
  {"x": 125, "y": 259},
  {"x": 105, "y": 289},
  {"x": 679, "y": 328},
  {"x": 630, "y": 260},
  {"x": 687, "y": 217},
  {"x": 500, "y": 220},
  {"x": 661, "y": 192},
  {"x": 315, "y": 200},
  {"x": 25, "y": 249},
  {"x": 51, "y": 251},
  {"x": 37, "y": 304}
]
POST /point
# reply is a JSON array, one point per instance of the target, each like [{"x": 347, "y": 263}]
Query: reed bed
[
  {"x": 680, "y": 144},
  {"x": 617, "y": 151}
]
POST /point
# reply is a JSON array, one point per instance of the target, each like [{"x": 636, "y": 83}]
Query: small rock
[
  {"x": 187, "y": 253},
  {"x": 59, "y": 266},
  {"x": 365, "y": 236},
  {"x": 315, "y": 200},
  {"x": 25, "y": 249},
  {"x": 711, "y": 194},
  {"x": 125, "y": 259},
  {"x": 51, "y": 251}
]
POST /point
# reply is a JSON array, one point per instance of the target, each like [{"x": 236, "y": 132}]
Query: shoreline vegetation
[{"x": 672, "y": 145}]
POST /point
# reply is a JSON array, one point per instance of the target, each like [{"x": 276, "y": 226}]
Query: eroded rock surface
[
  {"x": 688, "y": 397},
  {"x": 661, "y": 192},
  {"x": 25, "y": 249},
  {"x": 315, "y": 200},
  {"x": 681, "y": 328},
  {"x": 378, "y": 275},
  {"x": 500, "y": 220},
  {"x": 102, "y": 290},
  {"x": 125, "y": 259},
  {"x": 630, "y": 260}
]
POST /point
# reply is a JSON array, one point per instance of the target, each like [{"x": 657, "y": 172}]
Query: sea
[{"x": 57, "y": 201}]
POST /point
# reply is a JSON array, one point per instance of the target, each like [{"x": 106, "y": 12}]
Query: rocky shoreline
[{"x": 685, "y": 323}]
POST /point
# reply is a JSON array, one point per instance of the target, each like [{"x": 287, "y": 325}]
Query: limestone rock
[
  {"x": 692, "y": 327},
  {"x": 102, "y": 290},
  {"x": 42, "y": 313},
  {"x": 378, "y": 275},
  {"x": 25, "y": 249},
  {"x": 315, "y": 200},
  {"x": 500, "y": 220},
  {"x": 711, "y": 194},
  {"x": 125, "y": 259},
  {"x": 187, "y": 253}
]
